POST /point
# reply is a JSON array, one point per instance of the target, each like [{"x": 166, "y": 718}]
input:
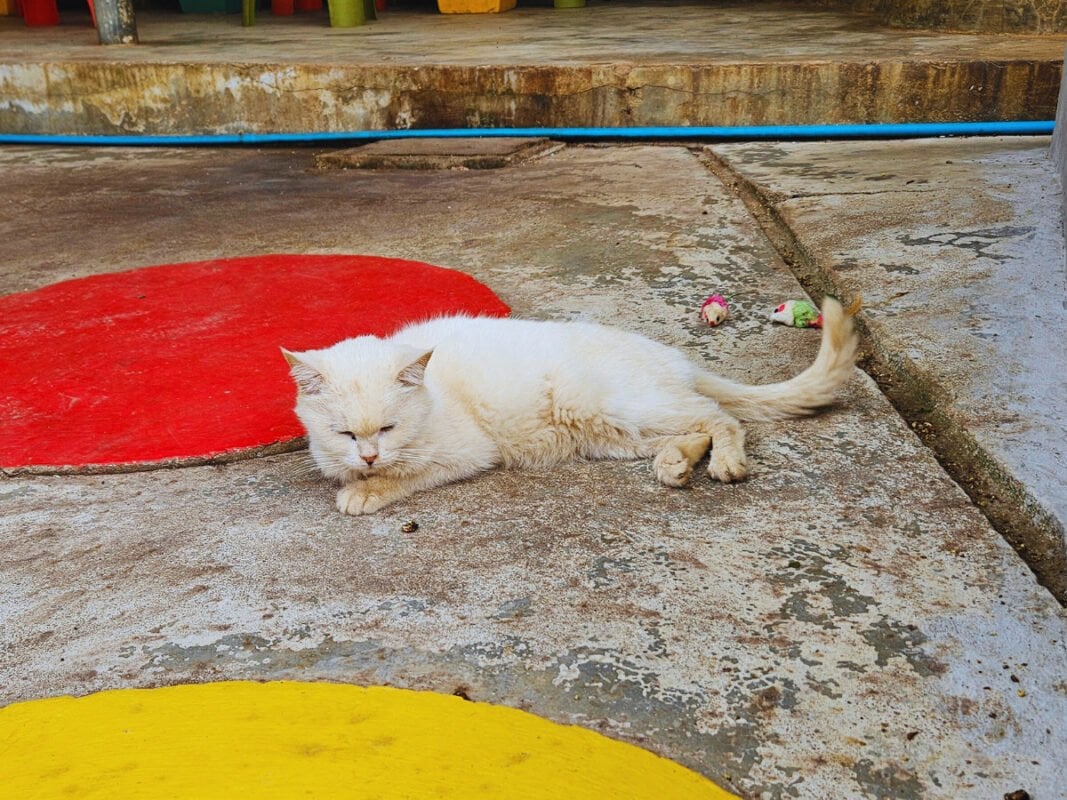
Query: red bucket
[{"x": 39, "y": 13}]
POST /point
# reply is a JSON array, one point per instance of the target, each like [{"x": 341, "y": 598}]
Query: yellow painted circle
[{"x": 290, "y": 740}]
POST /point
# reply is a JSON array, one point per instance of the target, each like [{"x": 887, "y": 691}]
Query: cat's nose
[{"x": 369, "y": 459}]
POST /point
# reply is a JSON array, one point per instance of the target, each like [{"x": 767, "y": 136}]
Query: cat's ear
[
  {"x": 308, "y": 379},
  {"x": 414, "y": 373}
]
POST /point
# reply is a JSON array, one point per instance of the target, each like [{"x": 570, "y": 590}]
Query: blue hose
[{"x": 902, "y": 130}]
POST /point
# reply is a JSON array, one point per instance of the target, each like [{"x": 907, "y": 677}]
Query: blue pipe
[{"x": 745, "y": 132}]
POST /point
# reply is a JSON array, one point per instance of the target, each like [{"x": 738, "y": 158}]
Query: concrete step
[
  {"x": 624, "y": 64},
  {"x": 957, "y": 249}
]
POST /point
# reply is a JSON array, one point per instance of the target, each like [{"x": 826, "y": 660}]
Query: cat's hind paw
[
  {"x": 672, "y": 467},
  {"x": 674, "y": 463},
  {"x": 727, "y": 465}
]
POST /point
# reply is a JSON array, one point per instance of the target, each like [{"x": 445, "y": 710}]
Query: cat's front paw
[
  {"x": 354, "y": 499},
  {"x": 727, "y": 465}
]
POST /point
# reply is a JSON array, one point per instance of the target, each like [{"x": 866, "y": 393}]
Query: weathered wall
[
  {"x": 1059, "y": 137},
  {"x": 166, "y": 98},
  {"x": 987, "y": 16},
  {"x": 1059, "y": 151}
]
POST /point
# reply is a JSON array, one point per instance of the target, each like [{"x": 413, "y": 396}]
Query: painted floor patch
[
  {"x": 181, "y": 364},
  {"x": 289, "y": 739}
]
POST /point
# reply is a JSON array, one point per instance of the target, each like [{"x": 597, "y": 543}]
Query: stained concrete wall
[
  {"x": 73, "y": 98},
  {"x": 987, "y": 16},
  {"x": 1059, "y": 157}
]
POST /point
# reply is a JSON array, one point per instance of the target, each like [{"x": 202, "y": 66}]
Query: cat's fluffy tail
[{"x": 810, "y": 391}]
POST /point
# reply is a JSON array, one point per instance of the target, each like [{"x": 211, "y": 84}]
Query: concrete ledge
[{"x": 168, "y": 98}]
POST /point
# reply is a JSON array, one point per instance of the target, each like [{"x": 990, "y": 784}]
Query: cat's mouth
[{"x": 367, "y": 469}]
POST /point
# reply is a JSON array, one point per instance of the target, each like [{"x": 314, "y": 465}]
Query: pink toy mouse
[{"x": 714, "y": 310}]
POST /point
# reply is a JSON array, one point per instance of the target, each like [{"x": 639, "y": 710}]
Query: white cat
[{"x": 443, "y": 400}]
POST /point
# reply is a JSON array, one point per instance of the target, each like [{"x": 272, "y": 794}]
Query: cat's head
[{"x": 363, "y": 404}]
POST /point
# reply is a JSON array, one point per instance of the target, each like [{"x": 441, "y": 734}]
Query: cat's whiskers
[
  {"x": 304, "y": 465},
  {"x": 418, "y": 457},
  {"x": 325, "y": 463}
]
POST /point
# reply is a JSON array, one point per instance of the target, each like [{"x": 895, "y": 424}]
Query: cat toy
[
  {"x": 714, "y": 310},
  {"x": 797, "y": 314}
]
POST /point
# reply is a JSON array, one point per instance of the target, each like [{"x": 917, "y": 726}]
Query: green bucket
[{"x": 347, "y": 13}]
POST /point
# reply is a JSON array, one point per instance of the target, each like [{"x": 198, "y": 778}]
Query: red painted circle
[{"x": 181, "y": 362}]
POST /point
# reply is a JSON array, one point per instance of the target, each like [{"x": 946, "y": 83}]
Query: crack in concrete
[{"x": 872, "y": 193}]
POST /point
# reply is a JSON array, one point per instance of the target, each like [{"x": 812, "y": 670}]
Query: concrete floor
[
  {"x": 846, "y": 623},
  {"x": 624, "y": 63}
]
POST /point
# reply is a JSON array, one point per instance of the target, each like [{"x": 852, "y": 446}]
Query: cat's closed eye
[{"x": 353, "y": 436}]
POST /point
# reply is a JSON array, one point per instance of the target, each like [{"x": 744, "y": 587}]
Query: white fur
[{"x": 443, "y": 400}]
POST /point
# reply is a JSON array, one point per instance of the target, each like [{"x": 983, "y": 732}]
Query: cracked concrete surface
[{"x": 845, "y": 623}]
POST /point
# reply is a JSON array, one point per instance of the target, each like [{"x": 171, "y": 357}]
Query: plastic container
[
  {"x": 347, "y": 13},
  {"x": 474, "y": 6},
  {"x": 39, "y": 13}
]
